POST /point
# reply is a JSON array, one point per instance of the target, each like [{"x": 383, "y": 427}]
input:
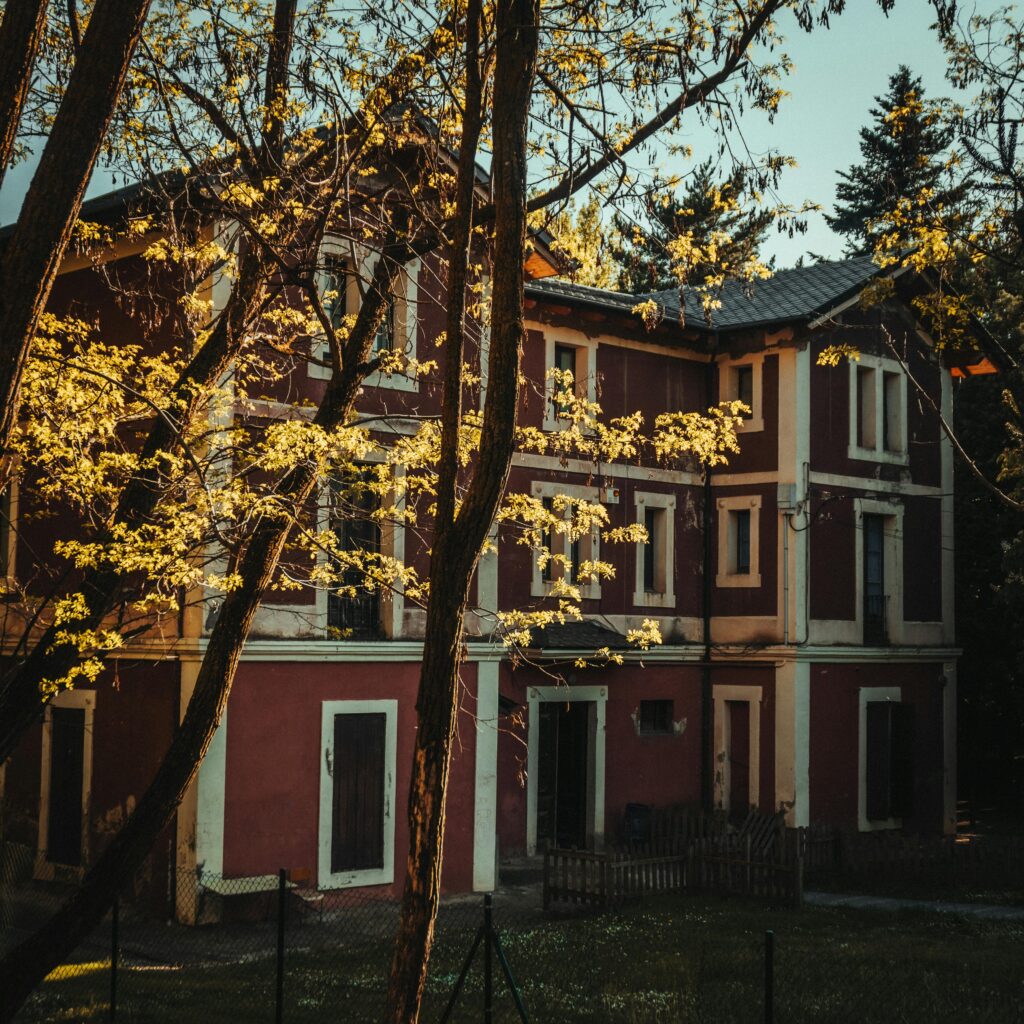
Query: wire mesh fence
[{"x": 259, "y": 950}]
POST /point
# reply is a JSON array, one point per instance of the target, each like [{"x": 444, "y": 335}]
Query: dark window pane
[
  {"x": 890, "y": 760},
  {"x": 651, "y": 553},
  {"x": 655, "y": 716},
  {"x": 745, "y": 386},
  {"x": 384, "y": 340},
  {"x": 875, "y": 611},
  {"x": 337, "y": 282},
  {"x": 355, "y": 611},
  {"x": 357, "y": 839},
  {"x": 742, "y": 542},
  {"x": 67, "y": 751}
]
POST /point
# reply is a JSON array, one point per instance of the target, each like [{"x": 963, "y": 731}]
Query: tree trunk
[
  {"x": 25, "y": 966},
  {"x": 34, "y": 252},
  {"x": 21, "y": 32},
  {"x": 456, "y": 544}
]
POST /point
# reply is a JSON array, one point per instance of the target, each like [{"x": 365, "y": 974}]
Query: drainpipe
[{"x": 707, "y": 704}]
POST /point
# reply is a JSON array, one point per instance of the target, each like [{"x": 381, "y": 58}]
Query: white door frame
[
  {"x": 752, "y": 696},
  {"x": 537, "y": 695}
]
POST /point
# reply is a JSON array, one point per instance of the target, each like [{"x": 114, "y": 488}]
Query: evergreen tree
[
  {"x": 900, "y": 151},
  {"x": 710, "y": 213}
]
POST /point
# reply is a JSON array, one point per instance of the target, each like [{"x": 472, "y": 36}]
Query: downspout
[{"x": 707, "y": 704}]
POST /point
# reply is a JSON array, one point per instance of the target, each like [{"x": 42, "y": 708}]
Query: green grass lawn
[{"x": 676, "y": 959}]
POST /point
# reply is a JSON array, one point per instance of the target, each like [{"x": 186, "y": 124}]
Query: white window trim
[
  {"x": 725, "y": 578},
  {"x": 591, "y": 547},
  {"x": 326, "y": 879},
  {"x": 596, "y": 771},
  {"x": 881, "y": 365},
  {"x": 406, "y": 305},
  {"x": 585, "y": 374},
  {"x": 46, "y": 870},
  {"x": 752, "y": 696},
  {"x": 865, "y": 695},
  {"x": 893, "y": 554},
  {"x": 651, "y": 499},
  {"x": 755, "y": 422}
]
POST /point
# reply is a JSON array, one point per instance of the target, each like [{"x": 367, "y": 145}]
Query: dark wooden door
[
  {"x": 357, "y": 839},
  {"x": 563, "y": 769},
  {"x": 67, "y": 752},
  {"x": 739, "y": 757}
]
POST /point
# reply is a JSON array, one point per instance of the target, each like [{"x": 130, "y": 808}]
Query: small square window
[{"x": 655, "y": 717}]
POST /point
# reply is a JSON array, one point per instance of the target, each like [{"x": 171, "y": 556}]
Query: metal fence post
[
  {"x": 282, "y": 892},
  {"x": 488, "y": 965},
  {"x": 113, "y": 958},
  {"x": 769, "y": 977}
]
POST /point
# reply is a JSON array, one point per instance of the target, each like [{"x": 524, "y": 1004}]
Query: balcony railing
[
  {"x": 357, "y": 617},
  {"x": 876, "y": 619}
]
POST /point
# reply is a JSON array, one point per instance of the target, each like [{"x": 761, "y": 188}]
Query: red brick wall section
[
  {"x": 272, "y": 798},
  {"x": 835, "y": 731}
]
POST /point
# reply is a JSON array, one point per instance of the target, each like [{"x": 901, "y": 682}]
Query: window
[
  {"x": 889, "y": 776},
  {"x": 878, "y": 393},
  {"x": 739, "y": 535},
  {"x": 570, "y": 552},
  {"x": 579, "y": 357},
  {"x": 741, "y": 382},
  {"x": 357, "y": 793},
  {"x": 65, "y": 784},
  {"x": 655, "y": 558},
  {"x": 351, "y": 608},
  {"x": 875, "y": 599},
  {"x": 655, "y": 717},
  {"x": 739, "y": 521},
  {"x": 341, "y": 284}
]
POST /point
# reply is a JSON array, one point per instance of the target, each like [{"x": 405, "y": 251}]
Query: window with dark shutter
[
  {"x": 67, "y": 752},
  {"x": 744, "y": 389},
  {"x": 357, "y": 836},
  {"x": 890, "y": 760},
  {"x": 655, "y": 717}
]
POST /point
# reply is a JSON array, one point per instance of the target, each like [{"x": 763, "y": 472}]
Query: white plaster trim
[
  {"x": 574, "y": 336},
  {"x": 726, "y": 577},
  {"x": 841, "y": 654},
  {"x": 792, "y": 740},
  {"x": 326, "y": 879},
  {"x": 727, "y": 391},
  {"x": 45, "y": 869},
  {"x": 881, "y": 366},
  {"x": 485, "y": 839},
  {"x": 723, "y": 742},
  {"x": 643, "y": 500},
  {"x": 584, "y": 373},
  {"x": 873, "y": 484},
  {"x": 864, "y": 695},
  {"x": 565, "y": 694},
  {"x": 590, "y": 545},
  {"x": 185, "y": 819},
  {"x": 10, "y": 499},
  {"x": 605, "y": 470},
  {"x": 487, "y": 585},
  {"x": 210, "y": 802}
]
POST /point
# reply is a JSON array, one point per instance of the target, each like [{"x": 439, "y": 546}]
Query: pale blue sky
[{"x": 837, "y": 74}]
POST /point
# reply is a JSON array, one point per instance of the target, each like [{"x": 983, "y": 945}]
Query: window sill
[
  {"x": 355, "y": 879},
  {"x": 642, "y": 599},
  {"x": 733, "y": 579},
  {"x": 877, "y": 455},
  {"x": 751, "y": 425},
  {"x": 591, "y": 592}
]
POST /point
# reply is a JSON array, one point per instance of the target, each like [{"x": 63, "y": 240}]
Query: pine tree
[
  {"x": 900, "y": 150},
  {"x": 708, "y": 210}
]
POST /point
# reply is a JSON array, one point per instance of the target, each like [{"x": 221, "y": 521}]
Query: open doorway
[
  {"x": 564, "y": 774},
  {"x": 565, "y": 767}
]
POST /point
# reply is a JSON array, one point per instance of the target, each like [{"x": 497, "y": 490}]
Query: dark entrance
[
  {"x": 67, "y": 747},
  {"x": 739, "y": 757},
  {"x": 563, "y": 774}
]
